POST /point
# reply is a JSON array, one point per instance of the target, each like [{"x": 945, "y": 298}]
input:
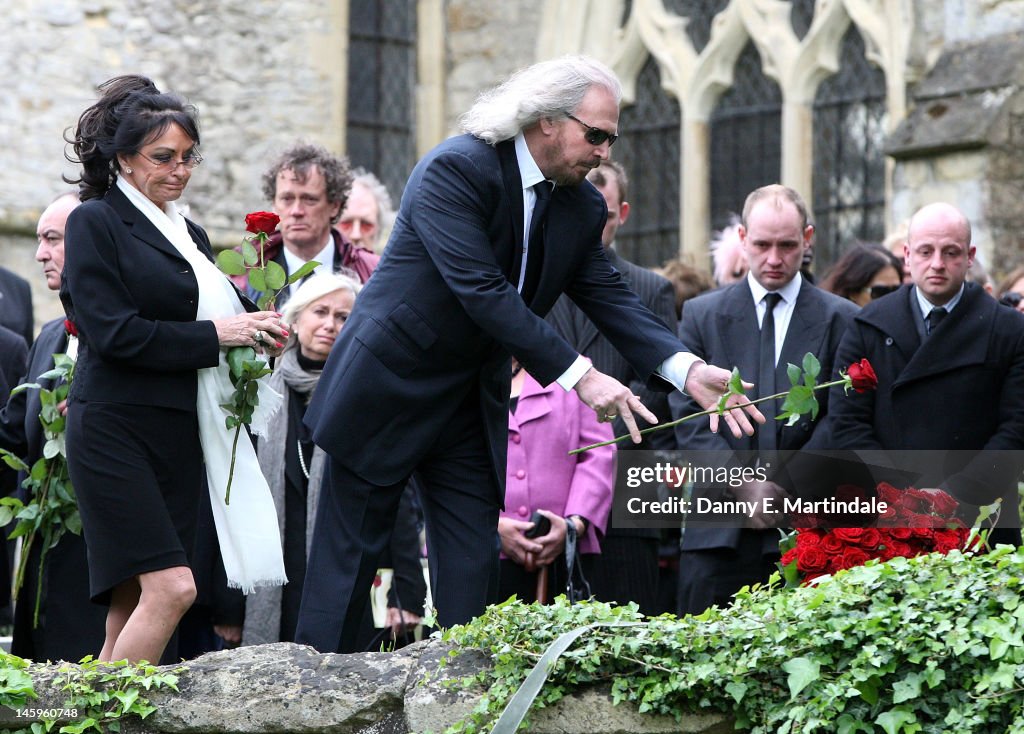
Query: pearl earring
[{"x": 128, "y": 170}]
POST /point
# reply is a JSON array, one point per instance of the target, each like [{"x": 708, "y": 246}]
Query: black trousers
[
  {"x": 711, "y": 577},
  {"x": 460, "y": 499}
]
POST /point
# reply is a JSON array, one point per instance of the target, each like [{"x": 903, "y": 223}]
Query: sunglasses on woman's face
[{"x": 877, "y": 291}]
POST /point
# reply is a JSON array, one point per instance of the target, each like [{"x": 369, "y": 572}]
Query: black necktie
[
  {"x": 535, "y": 252},
  {"x": 935, "y": 317},
  {"x": 767, "y": 438}
]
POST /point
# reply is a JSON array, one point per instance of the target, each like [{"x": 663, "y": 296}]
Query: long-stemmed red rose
[
  {"x": 269, "y": 278},
  {"x": 799, "y": 399}
]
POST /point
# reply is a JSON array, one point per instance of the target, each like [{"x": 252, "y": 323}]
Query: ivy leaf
[
  {"x": 736, "y": 689},
  {"x": 231, "y": 262},
  {"x": 894, "y": 721},
  {"x": 802, "y": 672}
]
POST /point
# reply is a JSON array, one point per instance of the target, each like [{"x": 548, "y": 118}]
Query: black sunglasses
[
  {"x": 1011, "y": 299},
  {"x": 877, "y": 291},
  {"x": 594, "y": 135}
]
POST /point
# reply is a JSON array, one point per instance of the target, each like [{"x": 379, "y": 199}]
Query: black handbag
[{"x": 576, "y": 586}]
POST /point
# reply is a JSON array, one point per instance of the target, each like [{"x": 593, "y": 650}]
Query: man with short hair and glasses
[
  {"x": 493, "y": 227},
  {"x": 950, "y": 366},
  {"x": 308, "y": 187}
]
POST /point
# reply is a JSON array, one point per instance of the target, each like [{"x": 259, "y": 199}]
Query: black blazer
[
  {"x": 20, "y": 430},
  {"x": 962, "y": 388},
  {"x": 572, "y": 324},
  {"x": 16, "y": 304},
  {"x": 722, "y": 328},
  {"x": 134, "y": 300},
  {"x": 439, "y": 318},
  {"x": 13, "y": 356}
]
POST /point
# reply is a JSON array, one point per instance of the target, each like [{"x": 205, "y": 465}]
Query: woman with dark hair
[
  {"x": 867, "y": 271},
  {"x": 154, "y": 319}
]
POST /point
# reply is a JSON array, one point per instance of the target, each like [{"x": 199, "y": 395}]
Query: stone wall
[{"x": 285, "y": 687}]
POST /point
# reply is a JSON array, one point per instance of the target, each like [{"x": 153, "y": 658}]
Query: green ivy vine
[{"x": 932, "y": 644}]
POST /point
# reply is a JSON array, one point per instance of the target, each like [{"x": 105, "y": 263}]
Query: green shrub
[{"x": 930, "y": 644}]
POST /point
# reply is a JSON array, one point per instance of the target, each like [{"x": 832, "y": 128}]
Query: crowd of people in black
[{"x": 423, "y": 402}]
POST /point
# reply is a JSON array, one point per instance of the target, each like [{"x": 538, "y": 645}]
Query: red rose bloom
[
  {"x": 943, "y": 504},
  {"x": 853, "y": 556},
  {"x": 70, "y": 328},
  {"x": 888, "y": 494},
  {"x": 809, "y": 539},
  {"x": 850, "y": 535},
  {"x": 900, "y": 533},
  {"x": 811, "y": 560},
  {"x": 870, "y": 539},
  {"x": 261, "y": 222},
  {"x": 916, "y": 501},
  {"x": 832, "y": 544},
  {"x": 862, "y": 376},
  {"x": 789, "y": 556},
  {"x": 947, "y": 540}
]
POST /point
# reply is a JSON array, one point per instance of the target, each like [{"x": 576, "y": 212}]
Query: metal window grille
[
  {"x": 746, "y": 138},
  {"x": 649, "y": 150},
  {"x": 381, "y": 89},
  {"x": 849, "y": 167}
]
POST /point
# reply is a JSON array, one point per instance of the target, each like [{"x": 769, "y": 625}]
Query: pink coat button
[
  {"x": 520, "y": 474},
  {"x": 516, "y": 438},
  {"x": 523, "y": 511}
]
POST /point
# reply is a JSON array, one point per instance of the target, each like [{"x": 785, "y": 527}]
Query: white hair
[
  {"x": 314, "y": 289},
  {"x": 548, "y": 89}
]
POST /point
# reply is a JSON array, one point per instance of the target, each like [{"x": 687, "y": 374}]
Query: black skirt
[{"x": 138, "y": 472}]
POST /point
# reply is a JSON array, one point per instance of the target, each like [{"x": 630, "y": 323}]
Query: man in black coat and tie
[
  {"x": 950, "y": 366},
  {"x": 494, "y": 226},
  {"x": 627, "y": 568},
  {"x": 16, "y": 305},
  {"x": 769, "y": 319}
]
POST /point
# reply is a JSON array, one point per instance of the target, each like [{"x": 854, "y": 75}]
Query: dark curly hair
[
  {"x": 299, "y": 159},
  {"x": 129, "y": 112}
]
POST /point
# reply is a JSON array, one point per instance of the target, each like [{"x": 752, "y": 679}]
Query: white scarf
[{"x": 250, "y": 542}]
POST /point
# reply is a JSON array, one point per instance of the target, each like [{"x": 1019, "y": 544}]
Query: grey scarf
[{"x": 263, "y": 608}]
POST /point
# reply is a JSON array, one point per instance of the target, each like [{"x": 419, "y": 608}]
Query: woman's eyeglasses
[
  {"x": 594, "y": 135},
  {"x": 877, "y": 291},
  {"x": 167, "y": 162}
]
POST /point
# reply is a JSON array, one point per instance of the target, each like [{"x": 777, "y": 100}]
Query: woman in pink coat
[{"x": 544, "y": 424}]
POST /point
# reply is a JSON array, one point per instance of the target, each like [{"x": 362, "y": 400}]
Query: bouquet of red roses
[{"x": 913, "y": 522}]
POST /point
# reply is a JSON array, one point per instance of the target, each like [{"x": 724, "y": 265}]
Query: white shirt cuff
[
  {"x": 677, "y": 367},
  {"x": 572, "y": 375}
]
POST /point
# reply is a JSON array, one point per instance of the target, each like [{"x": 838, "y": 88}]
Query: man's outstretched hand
[
  {"x": 706, "y": 384},
  {"x": 610, "y": 399}
]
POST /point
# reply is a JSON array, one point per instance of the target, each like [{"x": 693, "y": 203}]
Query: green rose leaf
[
  {"x": 276, "y": 277},
  {"x": 257, "y": 279},
  {"x": 793, "y": 373},
  {"x": 302, "y": 272},
  {"x": 237, "y": 357},
  {"x": 250, "y": 255},
  {"x": 735, "y": 382},
  {"x": 231, "y": 262},
  {"x": 812, "y": 367}
]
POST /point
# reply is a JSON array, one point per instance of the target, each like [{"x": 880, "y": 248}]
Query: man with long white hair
[{"x": 493, "y": 227}]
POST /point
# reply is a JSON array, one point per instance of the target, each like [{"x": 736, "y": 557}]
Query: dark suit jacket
[
  {"x": 16, "y": 304},
  {"x": 573, "y": 325},
  {"x": 20, "y": 430},
  {"x": 13, "y": 357},
  {"x": 722, "y": 328},
  {"x": 139, "y": 342},
  {"x": 962, "y": 388},
  {"x": 439, "y": 318}
]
